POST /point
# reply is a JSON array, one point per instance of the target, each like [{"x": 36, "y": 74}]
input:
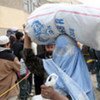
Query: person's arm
[
  {"x": 49, "y": 93},
  {"x": 27, "y": 42},
  {"x": 34, "y": 64}
]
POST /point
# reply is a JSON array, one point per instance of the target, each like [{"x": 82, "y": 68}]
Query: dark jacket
[
  {"x": 17, "y": 47},
  {"x": 34, "y": 63}
]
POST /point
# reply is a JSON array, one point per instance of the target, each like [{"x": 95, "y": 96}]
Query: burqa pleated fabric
[{"x": 69, "y": 64}]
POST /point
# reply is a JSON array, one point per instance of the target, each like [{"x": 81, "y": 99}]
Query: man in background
[
  {"x": 9, "y": 67},
  {"x": 39, "y": 80}
]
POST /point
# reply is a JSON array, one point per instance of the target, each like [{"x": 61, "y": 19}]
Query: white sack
[
  {"x": 81, "y": 22},
  {"x": 39, "y": 97}
]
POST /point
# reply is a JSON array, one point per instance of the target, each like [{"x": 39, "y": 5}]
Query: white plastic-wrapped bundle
[
  {"x": 80, "y": 22},
  {"x": 51, "y": 81}
]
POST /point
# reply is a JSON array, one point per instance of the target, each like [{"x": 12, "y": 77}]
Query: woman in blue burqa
[{"x": 68, "y": 63}]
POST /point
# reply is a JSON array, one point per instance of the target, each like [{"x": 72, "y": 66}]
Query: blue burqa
[{"x": 68, "y": 63}]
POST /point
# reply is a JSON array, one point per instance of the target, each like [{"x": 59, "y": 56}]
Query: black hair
[
  {"x": 19, "y": 35},
  {"x": 2, "y": 45}
]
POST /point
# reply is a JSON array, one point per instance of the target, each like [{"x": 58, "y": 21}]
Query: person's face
[
  {"x": 49, "y": 48},
  {"x": 7, "y": 45}
]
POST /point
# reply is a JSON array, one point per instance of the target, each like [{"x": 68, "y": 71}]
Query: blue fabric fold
[{"x": 68, "y": 63}]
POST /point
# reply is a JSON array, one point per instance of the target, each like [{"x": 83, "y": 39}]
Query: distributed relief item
[
  {"x": 51, "y": 81},
  {"x": 80, "y": 22},
  {"x": 23, "y": 70}
]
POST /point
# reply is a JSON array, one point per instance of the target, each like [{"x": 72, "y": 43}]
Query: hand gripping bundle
[{"x": 51, "y": 81}]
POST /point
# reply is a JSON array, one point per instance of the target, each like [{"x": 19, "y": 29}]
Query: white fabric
[
  {"x": 4, "y": 40},
  {"x": 39, "y": 97},
  {"x": 81, "y": 22}
]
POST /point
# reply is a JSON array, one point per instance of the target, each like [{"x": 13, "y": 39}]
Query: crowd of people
[
  {"x": 19, "y": 64},
  {"x": 15, "y": 46},
  {"x": 13, "y": 70}
]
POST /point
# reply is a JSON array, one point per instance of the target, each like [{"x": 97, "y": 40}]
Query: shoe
[{"x": 31, "y": 94}]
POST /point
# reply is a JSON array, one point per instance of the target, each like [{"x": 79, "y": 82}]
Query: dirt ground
[{"x": 97, "y": 93}]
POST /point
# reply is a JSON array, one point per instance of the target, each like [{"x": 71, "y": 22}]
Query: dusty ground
[{"x": 97, "y": 93}]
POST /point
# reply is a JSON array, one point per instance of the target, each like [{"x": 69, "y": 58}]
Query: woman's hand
[{"x": 48, "y": 92}]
